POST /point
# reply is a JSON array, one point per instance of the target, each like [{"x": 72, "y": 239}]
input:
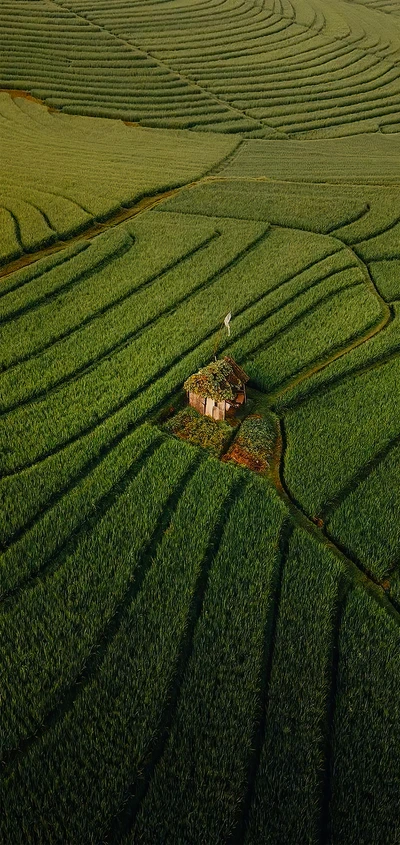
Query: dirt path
[
  {"x": 92, "y": 230},
  {"x": 387, "y": 318},
  {"x": 276, "y": 473},
  {"x": 317, "y": 530}
]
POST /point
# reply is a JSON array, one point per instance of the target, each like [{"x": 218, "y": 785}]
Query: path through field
[{"x": 195, "y": 654}]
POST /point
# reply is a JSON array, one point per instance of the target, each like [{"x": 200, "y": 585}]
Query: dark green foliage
[
  {"x": 334, "y": 437},
  {"x": 81, "y": 589},
  {"x": 366, "y": 741},
  {"x": 289, "y": 787},
  {"x": 372, "y": 533},
  {"x": 79, "y": 174},
  {"x": 176, "y": 667},
  {"x": 189, "y": 425},
  {"x": 256, "y": 437},
  {"x": 386, "y": 275},
  {"x": 198, "y": 788},
  {"x": 112, "y": 720}
]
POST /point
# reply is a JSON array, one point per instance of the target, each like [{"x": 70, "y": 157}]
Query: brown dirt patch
[
  {"x": 245, "y": 459},
  {"x": 15, "y": 92}
]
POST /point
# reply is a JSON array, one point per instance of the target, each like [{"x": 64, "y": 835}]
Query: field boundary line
[
  {"x": 132, "y": 336},
  {"x": 353, "y": 567},
  {"x": 124, "y": 819},
  {"x": 99, "y": 650},
  {"x": 21, "y": 284},
  {"x": 114, "y": 304},
  {"x": 124, "y": 403},
  {"x": 95, "y": 228},
  {"x": 159, "y": 62},
  {"x": 264, "y": 344},
  {"x": 286, "y": 531},
  {"x": 17, "y": 228},
  {"x": 142, "y": 203},
  {"x": 305, "y": 181},
  {"x": 137, "y": 332},
  {"x": 68, "y": 546},
  {"x": 118, "y": 252},
  {"x": 151, "y": 200},
  {"x": 363, "y": 213},
  {"x": 74, "y": 481},
  {"x": 334, "y": 501},
  {"x": 358, "y": 370},
  {"x": 387, "y": 318}
]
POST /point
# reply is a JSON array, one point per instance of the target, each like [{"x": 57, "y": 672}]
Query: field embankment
[{"x": 193, "y": 653}]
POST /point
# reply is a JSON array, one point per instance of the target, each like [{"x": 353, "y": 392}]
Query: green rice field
[{"x": 200, "y": 621}]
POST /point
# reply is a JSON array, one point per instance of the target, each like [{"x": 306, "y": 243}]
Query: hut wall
[
  {"x": 209, "y": 411},
  {"x": 197, "y": 402},
  {"x": 207, "y": 407},
  {"x": 220, "y": 410},
  {"x": 215, "y": 410}
]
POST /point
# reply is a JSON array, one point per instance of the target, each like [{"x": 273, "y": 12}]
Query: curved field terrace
[{"x": 200, "y": 621}]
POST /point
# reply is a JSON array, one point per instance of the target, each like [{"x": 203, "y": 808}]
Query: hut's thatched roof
[{"x": 219, "y": 380}]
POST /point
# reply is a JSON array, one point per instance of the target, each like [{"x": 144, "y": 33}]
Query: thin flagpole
[{"x": 225, "y": 325}]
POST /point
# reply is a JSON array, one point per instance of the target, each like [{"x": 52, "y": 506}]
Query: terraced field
[
  {"x": 195, "y": 653},
  {"x": 277, "y": 68}
]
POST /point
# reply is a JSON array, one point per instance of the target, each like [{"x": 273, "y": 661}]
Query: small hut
[{"x": 218, "y": 390}]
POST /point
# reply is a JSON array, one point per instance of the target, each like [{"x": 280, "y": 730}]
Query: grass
[
  {"x": 344, "y": 446},
  {"x": 290, "y": 772},
  {"x": 386, "y": 275},
  {"x": 64, "y": 192},
  {"x": 146, "y": 647},
  {"x": 200, "y": 781},
  {"x": 379, "y": 348},
  {"x": 372, "y": 533},
  {"x": 206, "y": 654},
  {"x": 189, "y": 425},
  {"x": 366, "y": 725},
  {"x": 90, "y": 578}
]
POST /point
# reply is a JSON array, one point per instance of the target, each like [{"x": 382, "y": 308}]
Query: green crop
[
  {"x": 192, "y": 652},
  {"x": 297, "y": 714},
  {"x": 376, "y": 350},
  {"x": 199, "y": 785},
  {"x": 136, "y": 676},
  {"x": 370, "y": 532},
  {"x": 52, "y": 529},
  {"x": 366, "y": 739},
  {"x": 386, "y": 275},
  {"x": 342, "y": 432},
  {"x": 80, "y": 591},
  {"x": 64, "y": 193}
]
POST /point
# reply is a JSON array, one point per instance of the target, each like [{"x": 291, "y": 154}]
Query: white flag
[{"x": 227, "y": 321}]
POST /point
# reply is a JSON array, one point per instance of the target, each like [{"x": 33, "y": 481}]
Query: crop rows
[
  {"x": 372, "y": 533},
  {"x": 301, "y": 69},
  {"x": 297, "y": 717},
  {"x": 156, "y": 613},
  {"x": 347, "y": 406},
  {"x": 79, "y": 593},
  {"x": 341, "y": 453},
  {"x": 146, "y": 647},
  {"x": 57, "y": 183},
  {"x": 150, "y": 325},
  {"x": 80, "y": 67},
  {"x": 185, "y": 658},
  {"x": 364, "y": 160},
  {"x": 271, "y": 70},
  {"x": 366, "y": 725},
  {"x": 192, "y": 799}
]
